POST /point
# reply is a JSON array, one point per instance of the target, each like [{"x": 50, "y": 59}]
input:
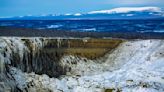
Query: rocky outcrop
[{"x": 43, "y": 55}]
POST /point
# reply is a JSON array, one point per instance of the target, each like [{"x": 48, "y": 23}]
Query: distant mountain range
[{"x": 116, "y": 13}]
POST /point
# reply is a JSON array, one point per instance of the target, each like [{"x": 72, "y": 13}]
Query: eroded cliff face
[
  {"x": 81, "y": 65},
  {"x": 135, "y": 66},
  {"x": 43, "y": 55}
]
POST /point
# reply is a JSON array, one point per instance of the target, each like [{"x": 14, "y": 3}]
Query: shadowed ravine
[{"x": 80, "y": 65}]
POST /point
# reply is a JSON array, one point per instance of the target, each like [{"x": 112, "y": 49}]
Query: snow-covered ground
[
  {"x": 135, "y": 66},
  {"x": 128, "y": 9}
]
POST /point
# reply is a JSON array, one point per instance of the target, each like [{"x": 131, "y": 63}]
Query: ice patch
[
  {"x": 54, "y": 26},
  {"x": 155, "y": 31},
  {"x": 89, "y": 29},
  {"x": 159, "y": 31},
  {"x": 130, "y": 15}
]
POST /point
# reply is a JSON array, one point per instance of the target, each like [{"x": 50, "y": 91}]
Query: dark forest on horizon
[{"x": 29, "y": 32}]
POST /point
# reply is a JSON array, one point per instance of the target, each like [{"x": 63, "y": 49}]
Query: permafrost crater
[{"x": 81, "y": 65}]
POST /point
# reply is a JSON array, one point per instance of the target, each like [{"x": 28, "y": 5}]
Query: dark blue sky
[{"x": 38, "y": 7}]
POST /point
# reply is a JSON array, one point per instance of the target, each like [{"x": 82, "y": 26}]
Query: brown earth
[
  {"x": 89, "y": 48},
  {"x": 46, "y": 60}
]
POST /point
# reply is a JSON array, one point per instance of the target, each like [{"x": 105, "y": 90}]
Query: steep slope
[
  {"x": 42, "y": 55},
  {"x": 138, "y": 67},
  {"x": 134, "y": 66}
]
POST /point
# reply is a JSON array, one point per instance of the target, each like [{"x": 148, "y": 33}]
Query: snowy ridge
[
  {"x": 128, "y": 9},
  {"x": 116, "y": 13},
  {"x": 77, "y": 14}
]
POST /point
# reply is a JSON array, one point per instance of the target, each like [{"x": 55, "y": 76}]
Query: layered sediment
[
  {"x": 81, "y": 65},
  {"x": 43, "y": 55}
]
